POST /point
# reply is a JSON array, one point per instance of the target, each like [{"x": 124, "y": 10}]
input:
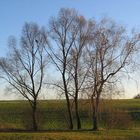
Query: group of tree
[
  {"x": 89, "y": 56},
  {"x": 137, "y": 96}
]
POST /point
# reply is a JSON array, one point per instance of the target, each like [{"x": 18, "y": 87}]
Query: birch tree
[
  {"x": 24, "y": 66},
  {"x": 109, "y": 53}
]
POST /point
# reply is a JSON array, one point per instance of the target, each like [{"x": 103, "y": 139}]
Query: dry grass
[{"x": 83, "y": 135}]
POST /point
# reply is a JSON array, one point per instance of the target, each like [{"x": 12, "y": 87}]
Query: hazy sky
[{"x": 14, "y": 13}]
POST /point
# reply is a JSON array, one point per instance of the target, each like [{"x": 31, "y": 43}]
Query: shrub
[
  {"x": 117, "y": 119},
  {"x": 113, "y": 118}
]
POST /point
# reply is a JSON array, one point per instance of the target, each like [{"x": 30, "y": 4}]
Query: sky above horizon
[{"x": 14, "y": 13}]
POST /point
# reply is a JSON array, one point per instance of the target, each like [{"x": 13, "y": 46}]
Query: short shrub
[{"x": 116, "y": 119}]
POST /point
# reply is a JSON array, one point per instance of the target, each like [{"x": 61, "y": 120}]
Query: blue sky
[{"x": 14, "y": 13}]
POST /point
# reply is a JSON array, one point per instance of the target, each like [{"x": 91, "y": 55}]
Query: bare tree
[
  {"x": 70, "y": 32},
  {"x": 77, "y": 69},
  {"x": 109, "y": 53},
  {"x": 63, "y": 36},
  {"x": 23, "y": 68}
]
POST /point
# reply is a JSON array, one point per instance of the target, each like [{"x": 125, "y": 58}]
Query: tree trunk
[
  {"x": 77, "y": 115},
  {"x": 95, "y": 120},
  {"x": 34, "y": 119},
  {"x": 95, "y": 103},
  {"x": 70, "y": 125},
  {"x": 70, "y": 122}
]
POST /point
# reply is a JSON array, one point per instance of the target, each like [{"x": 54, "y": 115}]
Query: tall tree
[
  {"x": 76, "y": 67},
  {"x": 63, "y": 36},
  {"x": 23, "y": 68},
  {"x": 109, "y": 53},
  {"x": 70, "y": 32}
]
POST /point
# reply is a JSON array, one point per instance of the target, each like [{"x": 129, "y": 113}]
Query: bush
[
  {"x": 113, "y": 118},
  {"x": 117, "y": 119}
]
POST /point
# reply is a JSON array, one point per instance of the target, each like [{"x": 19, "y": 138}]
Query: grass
[
  {"x": 83, "y": 135},
  {"x": 15, "y": 114}
]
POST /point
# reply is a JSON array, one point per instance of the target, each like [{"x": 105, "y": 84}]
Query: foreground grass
[{"x": 80, "y": 135}]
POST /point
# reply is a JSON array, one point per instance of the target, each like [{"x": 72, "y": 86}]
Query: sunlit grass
[{"x": 79, "y": 135}]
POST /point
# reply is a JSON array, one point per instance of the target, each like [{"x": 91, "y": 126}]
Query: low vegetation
[
  {"x": 15, "y": 115},
  {"x": 14, "y": 118}
]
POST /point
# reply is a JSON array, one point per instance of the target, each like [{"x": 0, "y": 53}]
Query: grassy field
[
  {"x": 83, "y": 135},
  {"x": 15, "y": 115},
  {"x": 52, "y": 114}
]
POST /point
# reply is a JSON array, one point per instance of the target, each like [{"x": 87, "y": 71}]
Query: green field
[
  {"x": 52, "y": 114},
  {"x": 15, "y": 116}
]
